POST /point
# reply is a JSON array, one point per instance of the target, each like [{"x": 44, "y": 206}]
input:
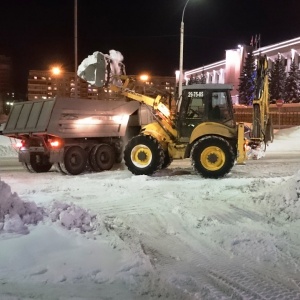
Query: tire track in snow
[
  {"x": 211, "y": 278},
  {"x": 201, "y": 264}
]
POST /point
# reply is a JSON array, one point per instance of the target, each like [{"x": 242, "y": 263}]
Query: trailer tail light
[
  {"x": 20, "y": 144},
  {"x": 55, "y": 143}
]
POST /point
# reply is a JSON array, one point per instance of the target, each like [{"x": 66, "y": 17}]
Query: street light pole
[
  {"x": 181, "y": 55},
  {"x": 75, "y": 46}
]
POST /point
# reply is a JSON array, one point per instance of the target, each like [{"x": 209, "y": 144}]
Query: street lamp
[
  {"x": 181, "y": 56},
  {"x": 56, "y": 70}
]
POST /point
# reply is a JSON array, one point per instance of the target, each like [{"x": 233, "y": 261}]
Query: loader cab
[{"x": 204, "y": 103}]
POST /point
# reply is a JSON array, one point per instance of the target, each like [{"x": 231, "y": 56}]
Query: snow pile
[
  {"x": 15, "y": 214},
  {"x": 8, "y": 147},
  {"x": 73, "y": 217},
  {"x": 284, "y": 200}
]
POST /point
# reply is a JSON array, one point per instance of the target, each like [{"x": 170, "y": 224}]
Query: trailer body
[{"x": 91, "y": 131}]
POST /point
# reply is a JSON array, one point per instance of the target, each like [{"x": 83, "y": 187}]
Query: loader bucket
[
  {"x": 93, "y": 69},
  {"x": 101, "y": 69}
]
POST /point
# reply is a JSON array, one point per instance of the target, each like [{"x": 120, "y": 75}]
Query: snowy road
[
  {"x": 207, "y": 239},
  {"x": 182, "y": 236}
]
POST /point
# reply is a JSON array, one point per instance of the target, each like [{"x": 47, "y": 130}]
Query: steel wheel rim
[
  {"x": 141, "y": 156},
  {"x": 213, "y": 158}
]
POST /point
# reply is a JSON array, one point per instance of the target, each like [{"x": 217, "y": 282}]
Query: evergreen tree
[
  {"x": 202, "y": 77},
  {"x": 277, "y": 80},
  {"x": 292, "y": 84},
  {"x": 247, "y": 81},
  {"x": 192, "y": 80}
]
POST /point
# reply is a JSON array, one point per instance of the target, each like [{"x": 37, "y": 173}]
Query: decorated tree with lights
[
  {"x": 247, "y": 80},
  {"x": 292, "y": 84},
  {"x": 277, "y": 80}
]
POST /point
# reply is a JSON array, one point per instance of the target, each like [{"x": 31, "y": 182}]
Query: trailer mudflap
[{"x": 56, "y": 156}]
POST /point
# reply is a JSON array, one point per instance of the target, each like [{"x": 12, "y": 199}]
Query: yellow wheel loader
[{"x": 203, "y": 129}]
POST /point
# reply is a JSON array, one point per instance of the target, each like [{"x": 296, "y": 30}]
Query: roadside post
[{"x": 279, "y": 104}]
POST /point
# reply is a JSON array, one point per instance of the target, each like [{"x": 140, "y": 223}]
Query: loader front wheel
[
  {"x": 167, "y": 160},
  {"x": 212, "y": 157},
  {"x": 143, "y": 155},
  {"x": 75, "y": 160}
]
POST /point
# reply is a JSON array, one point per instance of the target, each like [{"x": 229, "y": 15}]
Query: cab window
[{"x": 218, "y": 107}]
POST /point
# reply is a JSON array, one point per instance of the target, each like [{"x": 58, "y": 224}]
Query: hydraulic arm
[{"x": 262, "y": 130}]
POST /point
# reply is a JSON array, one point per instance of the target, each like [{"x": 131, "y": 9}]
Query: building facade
[
  {"x": 6, "y": 84},
  {"x": 229, "y": 69},
  {"x": 46, "y": 84}
]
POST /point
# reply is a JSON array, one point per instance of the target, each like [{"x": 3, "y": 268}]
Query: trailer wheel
[
  {"x": 102, "y": 157},
  {"x": 212, "y": 157},
  {"x": 59, "y": 168},
  {"x": 75, "y": 160},
  {"x": 39, "y": 163},
  {"x": 143, "y": 155},
  {"x": 92, "y": 161}
]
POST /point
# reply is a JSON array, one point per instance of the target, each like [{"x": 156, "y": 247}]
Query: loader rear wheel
[
  {"x": 212, "y": 157},
  {"x": 143, "y": 155},
  {"x": 102, "y": 157},
  {"x": 39, "y": 163},
  {"x": 75, "y": 160}
]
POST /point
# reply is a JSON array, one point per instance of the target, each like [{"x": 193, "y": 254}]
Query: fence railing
[{"x": 287, "y": 117}]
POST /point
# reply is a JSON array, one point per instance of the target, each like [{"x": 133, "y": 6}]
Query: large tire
[
  {"x": 39, "y": 163},
  {"x": 92, "y": 161},
  {"x": 167, "y": 160},
  {"x": 143, "y": 155},
  {"x": 75, "y": 160},
  {"x": 102, "y": 157},
  {"x": 212, "y": 157},
  {"x": 59, "y": 169}
]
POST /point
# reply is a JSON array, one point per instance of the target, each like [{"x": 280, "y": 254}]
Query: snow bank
[
  {"x": 284, "y": 200},
  {"x": 7, "y": 146},
  {"x": 73, "y": 217},
  {"x": 16, "y": 214}
]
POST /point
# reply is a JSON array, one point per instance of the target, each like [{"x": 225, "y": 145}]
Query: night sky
[{"x": 39, "y": 33}]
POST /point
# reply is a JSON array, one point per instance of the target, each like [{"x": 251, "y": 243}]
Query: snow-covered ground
[{"x": 175, "y": 235}]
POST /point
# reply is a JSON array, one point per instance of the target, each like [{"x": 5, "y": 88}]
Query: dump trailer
[{"x": 73, "y": 134}]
